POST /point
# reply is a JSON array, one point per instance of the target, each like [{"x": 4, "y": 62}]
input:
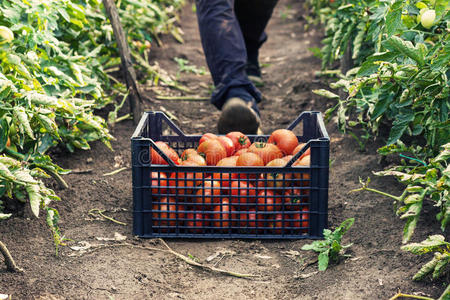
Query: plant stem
[
  {"x": 9, "y": 261},
  {"x": 122, "y": 118},
  {"x": 396, "y": 198},
  {"x": 100, "y": 213},
  {"x": 410, "y": 296},
  {"x": 115, "y": 171},
  {"x": 58, "y": 179}
]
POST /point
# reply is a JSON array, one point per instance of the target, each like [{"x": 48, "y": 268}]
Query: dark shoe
[
  {"x": 254, "y": 73},
  {"x": 239, "y": 115}
]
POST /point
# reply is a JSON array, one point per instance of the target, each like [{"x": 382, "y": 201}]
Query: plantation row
[
  {"x": 54, "y": 65},
  {"x": 395, "y": 59}
]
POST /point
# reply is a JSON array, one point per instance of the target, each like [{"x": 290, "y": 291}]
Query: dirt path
[{"x": 377, "y": 269}]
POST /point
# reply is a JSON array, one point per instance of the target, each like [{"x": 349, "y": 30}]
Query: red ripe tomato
[
  {"x": 212, "y": 150},
  {"x": 278, "y": 223},
  {"x": 265, "y": 200},
  {"x": 167, "y": 213},
  {"x": 305, "y": 218},
  {"x": 242, "y": 193},
  {"x": 208, "y": 194},
  {"x": 224, "y": 178},
  {"x": 182, "y": 183},
  {"x": 249, "y": 159},
  {"x": 239, "y": 139},
  {"x": 298, "y": 148},
  {"x": 192, "y": 155},
  {"x": 285, "y": 140},
  {"x": 223, "y": 215},
  {"x": 227, "y": 143},
  {"x": 293, "y": 199},
  {"x": 158, "y": 182},
  {"x": 196, "y": 222},
  {"x": 207, "y": 136},
  {"x": 304, "y": 178},
  {"x": 266, "y": 151},
  {"x": 250, "y": 220},
  {"x": 227, "y": 162},
  {"x": 240, "y": 151},
  {"x": 156, "y": 159},
  {"x": 277, "y": 179}
]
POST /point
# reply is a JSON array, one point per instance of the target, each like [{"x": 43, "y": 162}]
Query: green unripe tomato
[
  {"x": 6, "y": 35},
  {"x": 428, "y": 18},
  {"x": 421, "y": 5},
  {"x": 422, "y": 11}
]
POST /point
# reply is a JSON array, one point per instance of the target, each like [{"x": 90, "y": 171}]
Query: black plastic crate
[{"x": 259, "y": 202}]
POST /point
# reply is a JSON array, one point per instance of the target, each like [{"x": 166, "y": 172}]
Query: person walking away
[{"x": 232, "y": 32}]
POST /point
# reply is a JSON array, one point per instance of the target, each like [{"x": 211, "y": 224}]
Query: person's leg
[
  {"x": 226, "y": 56},
  {"x": 253, "y": 16}
]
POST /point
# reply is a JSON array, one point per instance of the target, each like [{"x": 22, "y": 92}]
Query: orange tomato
[
  {"x": 167, "y": 150},
  {"x": 266, "y": 151},
  {"x": 285, "y": 139},
  {"x": 212, "y": 150}
]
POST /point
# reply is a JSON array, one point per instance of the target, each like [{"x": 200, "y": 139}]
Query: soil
[{"x": 377, "y": 268}]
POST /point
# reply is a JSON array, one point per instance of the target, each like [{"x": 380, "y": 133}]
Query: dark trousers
[{"x": 232, "y": 31}]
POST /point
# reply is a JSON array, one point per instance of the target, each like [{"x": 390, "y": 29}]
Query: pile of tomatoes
[{"x": 247, "y": 189}]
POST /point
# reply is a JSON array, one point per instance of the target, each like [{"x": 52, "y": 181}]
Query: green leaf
[
  {"x": 409, "y": 228},
  {"x": 393, "y": 18},
  {"x": 323, "y": 259},
  {"x": 400, "y": 46},
  {"x": 431, "y": 244},
  {"x": 399, "y": 126}
]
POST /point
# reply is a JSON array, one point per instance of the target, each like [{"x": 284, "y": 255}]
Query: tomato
[
  {"x": 242, "y": 193},
  {"x": 249, "y": 160},
  {"x": 224, "y": 178},
  {"x": 304, "y": 178},
  {"x": 212, "y": 150},
  {"x": 266, "y": 151},
  {"x": 300, "y": 220},
  {"x": 427, "y": 18},
  {"x": 223, "y": 215},
  {"x": 292, "y": 198},
  {"x": 192, "y": 155},
  {"x": 187, "y": 153},
  {"x": 156, "y": 159},
  {"x": 208, "y": 194},
  {"x": 239, "y": 139},
  {"x": 277, "y": 224},
  {"x": 265, "y": 200},
  {"x": 158, "y": 183},
  {"x": 287, "y": 158},
  {"x": 277, "y": 179},
  {"x": 8, "y": 142},
  {"x": 305, "y": 218},
  {"x": 182, "y": 183},
  {"x": 298, "y": 148},
  {"x": 207, "y": 136},
  {"x": 6, "y": 35},
  {"x": 196, "y": 222},
  {"x": 167, "y": 213},
  {"x": 227, "y": 162},
  {"x": 285, "y": 139},
  {"x": 240, "y": 151},
  {"x": 227, "y": 143},
  {"x": 250, "y": 220}
]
